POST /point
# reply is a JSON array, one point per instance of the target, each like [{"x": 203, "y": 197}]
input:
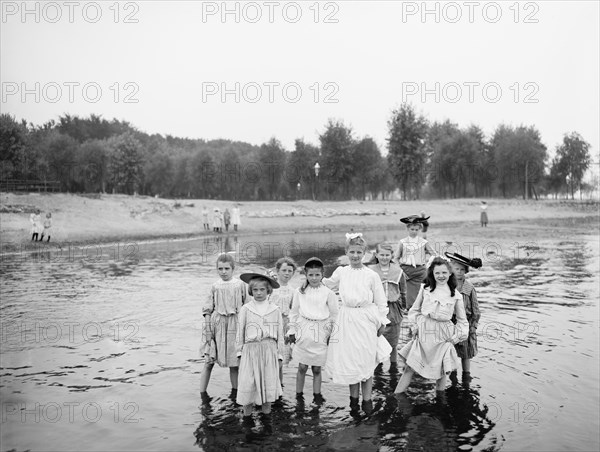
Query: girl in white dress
[
  {"x": 431, "y": 352},
  {"x": 314, "y": 311},
  {"x": 352, "y": 354}
]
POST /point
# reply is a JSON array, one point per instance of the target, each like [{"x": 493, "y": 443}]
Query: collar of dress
[{"x": 254, "y": 308}]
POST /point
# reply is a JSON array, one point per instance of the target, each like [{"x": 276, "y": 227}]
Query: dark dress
[{"x": 468, "y": 349}]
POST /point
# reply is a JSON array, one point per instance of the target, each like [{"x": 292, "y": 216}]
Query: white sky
[{"x": 371, "y": 57}]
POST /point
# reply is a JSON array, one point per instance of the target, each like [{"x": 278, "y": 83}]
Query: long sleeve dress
[
  {"x": 468, "y": 349},
  {"x": 352, "y": 353},
  {"x": 412, "y": 257},
  {"x": 223, "y": 303},
  {"x": 311, "y": 320},
  {"x": 431, "y": 353},
  {"x": 259, "y": 345}
]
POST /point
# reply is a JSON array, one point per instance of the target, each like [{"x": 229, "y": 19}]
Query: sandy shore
[{"x": 102, "y": 218}]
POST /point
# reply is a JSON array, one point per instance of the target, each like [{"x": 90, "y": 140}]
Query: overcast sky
[{"x": 252, "y": 70}]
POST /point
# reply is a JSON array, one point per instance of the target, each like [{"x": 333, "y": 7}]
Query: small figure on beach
[
  {"x": 259, "y": 346},
  {"x": 217, "y": 220},
  {"x": 36, "y": 225},
  {"x": 425, "y": 225},
  {"x": 313, "y": 316},
  {"x": 282, "y": 297},
  {"x": 467, "y": 349},
  {"x": 412, "y": 254},
  {"x": 205, "y": 218},
  {"x": 220, "y": 310},
  {"x": 394, "y": 285},
  {"x": 226, "y": 219},
  {"x": 352, "y": 356},
  {"x": 431, "y": 351},
  {"x": 235, "y": 217},
  {"x": 47, "y": 225},
  {"x": 484, "y": 215}
]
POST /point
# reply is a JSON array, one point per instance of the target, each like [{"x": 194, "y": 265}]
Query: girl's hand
[{"x": 380, "y": 330}]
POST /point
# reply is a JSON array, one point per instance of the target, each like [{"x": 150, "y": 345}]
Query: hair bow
[{"x": 353, "y": 235}]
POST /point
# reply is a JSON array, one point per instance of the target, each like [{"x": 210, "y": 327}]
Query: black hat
[
  {"x": 475, "y": 262},
  {"x": 246, "y": 277},
  {"x": 414, "y": 219},
  {"x": 316, "y": 260}
]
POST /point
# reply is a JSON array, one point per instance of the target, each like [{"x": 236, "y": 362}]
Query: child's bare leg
[
  {"x": 266, "y": 408},
  {"x": 281, "y": 373},
  {"x": 394, "y": 355},
  {"x": 405, "y": 379},
  {"x": 300, "y": 377},
  {"x": 247, "y": 409},
  {"x": 367, "y": 388},
  {"x": 205, "y": 377},
  {"x": 355, "y": 390},
  {"x": 233, "y": 376},
  {"x": 466, "y": 365},
  {"x": 317, "y": 379},
  {"x": 440, "y": 384}
]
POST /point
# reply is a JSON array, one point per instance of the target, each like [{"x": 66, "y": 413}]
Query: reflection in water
[{"x": 122, "y": 330}]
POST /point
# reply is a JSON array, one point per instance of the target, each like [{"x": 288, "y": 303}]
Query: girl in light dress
[
  {"x": 47, "y": 226},
  {"x": 282, "y": 297},
  {"x": 431, "y": 352},
  {"x": 394, "y": 285},
  {"x": 412, "y": 256},
  {"x": 259, "y": 346},
  {"x": 314, "y": 312},
  {"x": 352, "y": 353},
  {"x": 466, "y": 350},
  {"x": 36, "y": 225},
  {"x": 220, "y": 310}
]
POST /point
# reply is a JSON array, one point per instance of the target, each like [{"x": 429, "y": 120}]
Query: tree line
[{"x": 423, "y": 160}]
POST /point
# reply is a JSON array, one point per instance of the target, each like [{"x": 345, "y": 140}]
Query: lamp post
[
  {"x": 298, "y": 187},
  {"x": 317, "y": 168}
]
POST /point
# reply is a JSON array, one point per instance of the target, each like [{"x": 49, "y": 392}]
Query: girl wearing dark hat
[
  {"x": 259, "y": 346},
  {"x": 314, "y": 311},
  {"x": 412, "y": 255},
  {"x": 466, "y": 350}
]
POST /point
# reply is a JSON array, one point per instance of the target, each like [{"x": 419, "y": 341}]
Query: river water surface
[{"x": 100, "y": 351}]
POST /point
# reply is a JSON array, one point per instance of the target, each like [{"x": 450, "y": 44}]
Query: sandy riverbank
[{"x": 102, "y": 218}]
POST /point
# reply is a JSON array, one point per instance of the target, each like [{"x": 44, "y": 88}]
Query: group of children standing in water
[{"x": 254, "y": 324}]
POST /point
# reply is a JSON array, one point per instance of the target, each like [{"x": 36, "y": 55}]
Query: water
[{"x": 100, "y": 351}]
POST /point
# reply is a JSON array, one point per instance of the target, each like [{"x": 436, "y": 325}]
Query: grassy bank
[{"x": 103, "y": 218}]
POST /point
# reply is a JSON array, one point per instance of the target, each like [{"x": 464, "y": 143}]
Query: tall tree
[
  {"x": 573, "y": 160},
  {"x": 13, "y": 148},
  {"x": 407, "y": 132},
  {"x": 337, "y": 166},
  {"x": 124, "y": 164},
  {"x": 366, "y": 157}
]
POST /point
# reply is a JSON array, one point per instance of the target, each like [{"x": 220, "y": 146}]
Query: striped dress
[{"x": 468, "y": 349}]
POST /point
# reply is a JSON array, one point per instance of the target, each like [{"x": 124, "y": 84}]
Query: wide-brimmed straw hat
[{"x": 246, "y": 277}]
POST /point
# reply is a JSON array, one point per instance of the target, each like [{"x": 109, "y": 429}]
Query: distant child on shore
[
  {"x": 313, "y": 315},
  {"x": 282, "y": 297},
  {"x": 47, "y": 226},
  {"x": 352, "y": 354},
  {"x": 36, "y": 225},
  {"x": 220, "y": 310},
  {"x": 431, "y": 352},
  {"x": 484, "y": 216},
  {"x": 394, "y": 285},
  {"x": 259, "y": 346},
  {"x": 205, "y": 218},
  {"x": 466, "y": 350}
]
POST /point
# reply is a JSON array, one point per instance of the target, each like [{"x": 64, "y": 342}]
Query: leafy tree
[
  {"x": 366, "y": 157},
  {"x": 300, "y": 168},
  {"x": 406, "y": 149},
  {"x": 338, "y": 167},
  {"x": 13, "y": 148},
  {"x": 124, "y": 164},
  {"x": 573, "y": 160}
]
